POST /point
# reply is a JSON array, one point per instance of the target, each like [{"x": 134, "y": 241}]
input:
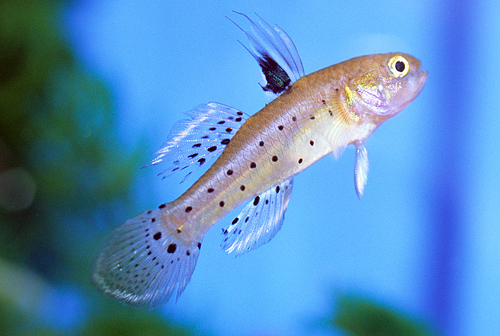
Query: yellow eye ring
[{"x": 399, "y": 66}]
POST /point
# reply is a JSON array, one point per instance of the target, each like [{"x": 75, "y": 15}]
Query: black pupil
[{"x": 400, "y": 66}]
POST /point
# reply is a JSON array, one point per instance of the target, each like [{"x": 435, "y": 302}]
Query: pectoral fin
[{"x": 360, "y": 168}]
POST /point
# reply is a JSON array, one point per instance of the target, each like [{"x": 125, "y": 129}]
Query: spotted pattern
[{"x": 171, "y": 248}]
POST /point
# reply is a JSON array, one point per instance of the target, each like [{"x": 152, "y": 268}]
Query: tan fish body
[{"x": 145, "y": 259}]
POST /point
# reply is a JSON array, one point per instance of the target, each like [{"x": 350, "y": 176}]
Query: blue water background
[{"x": 425, "y": 237}]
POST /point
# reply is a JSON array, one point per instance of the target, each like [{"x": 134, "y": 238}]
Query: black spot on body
[
  {"x": 188, "y": 209},
  {"x": 188, "y": 253},
  {"x": 281, "y": 127},
  {"x": 323, "y": 101},
  {"x": 205, "y": 137},
  {"x": 275, "y": 158},
  {"x": 149, "y": 213},
  {"x": 238, "y": 119},
  {"x": 239, "y": 113},
  {"x": 201, "y": 161},
  {"x": 153, "y": 220},
  {"x": 212, "y": 128},
  {"x": 242, "y": 187},
  {"x": 210, "y": 190},
  {"x": 211, "y": 149},
  {"x": 311, "y": 142},
  {"x": 235, "y": 221},
  {"x": 221, "y": 122},
  {"x": 312, "y": 118},
  {"x": 229, "y": 130},
  {"x": 229, "y": 172},
  {"x": 256, "y": 200},
  {"x": 294, "y": 118},
  {"x": 192, "y": 156},
  {"x": 261, "y": 143},
  {"x": 157, "y": 235},
  {"x": 221, "y": 204},
  {"x": 300, "y": 160},
  {"x": 225, "y": 141},
  {"x": 196, "y": 145},
  {"x": 199, "y": 245},
  {"x": 277, "y": 189},
  {"x": 253, "y": 165},
  {"x": 171, "y": 248},
  {"x": 162, "y": 206}
]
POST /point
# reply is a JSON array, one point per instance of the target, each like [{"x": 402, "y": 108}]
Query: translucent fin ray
[
  {"x": 276, "y": 54},
  {"x": 142, "y": 264},
  {"x": 192, "y": 143},
  {"x": 360, "y": 168},
  {"x": 259, "y": 221}
]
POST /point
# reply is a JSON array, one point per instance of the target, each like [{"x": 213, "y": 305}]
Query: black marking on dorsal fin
[
  {"x": 276, "y": 54},
  {"x": 277, "y": 79}
]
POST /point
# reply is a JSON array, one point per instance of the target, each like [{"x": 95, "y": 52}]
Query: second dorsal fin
[{"x": 192, "y": 143}]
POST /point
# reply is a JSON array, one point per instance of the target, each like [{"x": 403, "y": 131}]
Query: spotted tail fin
[{"x": 142, "y": 262}]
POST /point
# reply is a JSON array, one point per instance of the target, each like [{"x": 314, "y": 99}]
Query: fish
[{"x": 254, "y": 160}]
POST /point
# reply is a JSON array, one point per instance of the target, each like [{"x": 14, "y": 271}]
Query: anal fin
[{"x": 259, "y": 221}]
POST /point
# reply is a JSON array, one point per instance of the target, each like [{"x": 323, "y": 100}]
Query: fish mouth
[
  {"x": 421, "y": 81},
  {"x": 418, "y": 86}
]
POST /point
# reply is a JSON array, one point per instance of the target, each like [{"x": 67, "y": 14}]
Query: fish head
[{"x": 385, "y": 84}]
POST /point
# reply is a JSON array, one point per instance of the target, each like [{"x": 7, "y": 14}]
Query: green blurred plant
[
  {"x": 61, "y": 167},
  {"x": 358, "y": 316}
]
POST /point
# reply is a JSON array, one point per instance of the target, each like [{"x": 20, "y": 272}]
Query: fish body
[{"x": 145, "y": 259}]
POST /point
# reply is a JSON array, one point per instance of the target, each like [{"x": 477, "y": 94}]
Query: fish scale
[{"x": 154, "y": 253}]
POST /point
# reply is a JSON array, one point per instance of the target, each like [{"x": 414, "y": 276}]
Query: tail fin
[{"x": 142, "y": 262}]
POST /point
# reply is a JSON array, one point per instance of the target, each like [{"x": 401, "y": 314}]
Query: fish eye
[{"x": 399, "y": 66}]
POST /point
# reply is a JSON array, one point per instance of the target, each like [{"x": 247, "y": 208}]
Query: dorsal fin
[
  {"x": 192, "y": 143},
  {"x": 276, "y": 54}
]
